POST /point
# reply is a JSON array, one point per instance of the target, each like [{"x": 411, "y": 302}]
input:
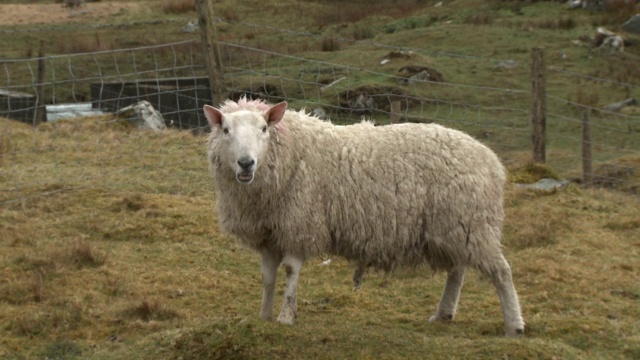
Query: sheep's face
[{"x": 243, "y": 137}]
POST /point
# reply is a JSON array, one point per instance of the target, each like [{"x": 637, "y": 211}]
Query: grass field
[
  {"x": 109, "y": 244},
  {"x": 113, "y": 252}
]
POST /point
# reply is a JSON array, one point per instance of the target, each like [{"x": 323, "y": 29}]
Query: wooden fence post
[
  {"x": 40, "y": 113},
  {"x": 587, "y": 170},
  {"x": 394, "y": 117},
  {"x": 211, "y": 52},
  {"x": 538, "y": 106}
]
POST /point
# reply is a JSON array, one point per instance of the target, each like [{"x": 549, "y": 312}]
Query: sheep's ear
[
  {"x": 214, "y": 116},
  {"x": 276, "y": 113}
]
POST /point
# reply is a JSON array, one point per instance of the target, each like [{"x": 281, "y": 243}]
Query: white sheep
[{"x": 292, "y": 187}]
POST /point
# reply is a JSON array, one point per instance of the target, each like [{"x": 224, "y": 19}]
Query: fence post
[
  {"x": 394, "y": 117},
  {"x": 40, "y": 113},
  {"x": 538, "y": 106},
  {"x": 587, "y": 170},
  {"x": 211, "y": 52}
]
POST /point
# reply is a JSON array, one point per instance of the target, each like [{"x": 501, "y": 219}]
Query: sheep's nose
[{"x": 246, "y": 162}]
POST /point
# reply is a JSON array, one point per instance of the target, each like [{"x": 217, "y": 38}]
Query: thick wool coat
[{"x": 382, "y": 196}]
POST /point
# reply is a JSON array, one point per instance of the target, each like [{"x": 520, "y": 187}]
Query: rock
[
  {"x": 545, "y": 184},
  {"x": 507, "y": 64},
  {"x": 617, "y": 106},
  {"x": 143, "y": 115},
  {"x": 190, "y": 27},
  {"x": 416, "y": 73},
  {"x": 363, "y": 103},
  {"x": 632, "y": 25}
]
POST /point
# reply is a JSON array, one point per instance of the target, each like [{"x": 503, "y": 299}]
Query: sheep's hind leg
[
  {"x": 270, "y": 262},
  {"x": 450, "y": 296},
  {"x": 501, "y": 277},
  {"x": 358, "y": 275},
  {"x": 289, "y": 311}
]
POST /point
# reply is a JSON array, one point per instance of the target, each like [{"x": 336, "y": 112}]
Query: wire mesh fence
[{"x": 173, "y": 79}]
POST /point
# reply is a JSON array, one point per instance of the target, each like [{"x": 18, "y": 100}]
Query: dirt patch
[{"x": 56, "y": 14}]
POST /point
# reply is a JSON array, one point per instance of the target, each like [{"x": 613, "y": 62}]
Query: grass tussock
[
  {"x": 178, "y": 6},
  {"x": 531, "y": 173},
  {"x": 621, "y": 174},
  {"x": 83, "y": 254},
  {"x": 479, "y": 19},
  {"x": 329, "y": 44},
  {"x": 148, "y": 310}
]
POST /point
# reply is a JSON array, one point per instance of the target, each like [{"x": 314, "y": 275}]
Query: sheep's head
[{"x": 243, "y": 137}]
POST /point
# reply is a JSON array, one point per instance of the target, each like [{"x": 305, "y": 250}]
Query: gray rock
[
  {"x": 507, "y": 64},
  {"x": 632, "y": 25},
  {"x": 143, "y": 115},
  {"x": 190, "y": 27},
  {"x": 545, "y": 184},
  {"x": 615, "y": 107}
]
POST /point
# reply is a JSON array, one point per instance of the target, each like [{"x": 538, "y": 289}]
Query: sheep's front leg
[
  {"x": 289, "y": 311},
  {"x": 270, "y": 262}
]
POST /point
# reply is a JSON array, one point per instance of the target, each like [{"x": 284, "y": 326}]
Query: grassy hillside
[
  {"x": 109, "y": 244},
  {"x": 112, "y": 251}
]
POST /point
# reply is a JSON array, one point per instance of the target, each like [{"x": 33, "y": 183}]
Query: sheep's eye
[
  {"x": 264, "y": 128},
  {"x": 225, "y": 130}
]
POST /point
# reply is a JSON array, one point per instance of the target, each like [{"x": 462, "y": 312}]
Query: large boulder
[
  {"x": 632, "y": 25},
  {"x": 143, "y": 115}
]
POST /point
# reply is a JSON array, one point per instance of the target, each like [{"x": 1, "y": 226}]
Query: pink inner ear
[
  {"x": 276, "y": 113},
  {"x": 213, "y": 115}
]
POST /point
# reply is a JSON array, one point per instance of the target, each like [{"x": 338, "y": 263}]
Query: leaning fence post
[
  {"x": 211, "y": 52},
  {"x": 40, "y": 113},
  {"x": 587, "y": 170},
  {"x": 538, "y": 106}
]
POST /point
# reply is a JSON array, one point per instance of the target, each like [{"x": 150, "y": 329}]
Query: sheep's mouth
[{"x": 244, "y": 177}]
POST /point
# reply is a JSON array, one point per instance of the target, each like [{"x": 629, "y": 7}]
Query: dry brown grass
[
  {"x": 178, "y": 6},
  {"x": 330, "y": 44},
  {"x": 127, "y": 261}
]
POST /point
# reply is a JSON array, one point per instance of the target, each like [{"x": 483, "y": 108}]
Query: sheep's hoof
[
  {"x": 515, "y": 332},
  {"x": 442, "y": 318},
  {"x": 288, "y": 319}
]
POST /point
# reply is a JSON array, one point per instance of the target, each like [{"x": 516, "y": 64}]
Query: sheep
[{"x": 290, "y": 187}]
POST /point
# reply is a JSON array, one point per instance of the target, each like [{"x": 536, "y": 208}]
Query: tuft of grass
[
  {"x": 628, "y": 224},
  {"x": 178, "y": 6},
  {"x": 408, "y": 24},
  {"x": 83, "y": 254},
  {"x": 329, "y": 44},
  {"x": 479, "y": 19},
  {"x": 133, "y": 203},
  {"x": 620, "y": 174},
  {"x": 148, "y": 310},
  {"x": 218, "y": 341},
  {"x": 531, "y": 173},
  {"x": 561, "y": 23},
  {"x": 61, "y": 349},
  {"x": 362, "y": 33},
  {"x": 113, "y": 286}
]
